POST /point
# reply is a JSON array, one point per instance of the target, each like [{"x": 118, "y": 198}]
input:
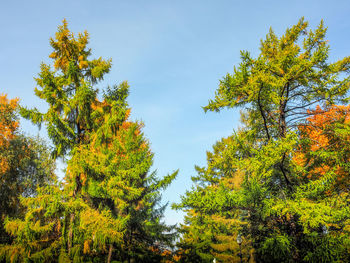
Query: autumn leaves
[{"x": 280, "y": 182}]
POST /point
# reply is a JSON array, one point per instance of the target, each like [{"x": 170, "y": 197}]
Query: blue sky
[{"x": 173, "y": 53}]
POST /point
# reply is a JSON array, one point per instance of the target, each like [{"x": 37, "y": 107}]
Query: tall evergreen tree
[{"x": 108, "y": 206}]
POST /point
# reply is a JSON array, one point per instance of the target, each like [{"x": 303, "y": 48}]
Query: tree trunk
[
  {"x": 263, "y": 114},
  {"x": 110, "y": 253},
  {"x": 72, "y": 216},
  {"x": 70, "y": 233},
  {"x": 283, "y": 127}
]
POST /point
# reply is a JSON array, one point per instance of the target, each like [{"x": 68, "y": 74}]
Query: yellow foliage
[
  {"x": 58, "y": 226},
  {"x": 68, "y": 48},
  {"x": 83, "y": 178},
  {"x": 87, "y": 246},
  {"x": 53, "y": 55},
  {"x": 83, "y": 64},
  {"x": 235, "y": 181}
]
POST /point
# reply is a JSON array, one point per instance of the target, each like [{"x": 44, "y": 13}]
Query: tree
[
  {"x": 284, "y": 214},
  {"x": 211, "y": 231},
  {"x": 108, "y": 205},
  {"x": 115, "y": 178},
  {"x": 8, "y": 126},
  {"x": 25, "y": 164},
  {"x": 284, "y": 83},
  {"x": 68, "y": 90}
]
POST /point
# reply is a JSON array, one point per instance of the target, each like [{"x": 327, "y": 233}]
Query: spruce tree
[{"x": 108, "y": 206}]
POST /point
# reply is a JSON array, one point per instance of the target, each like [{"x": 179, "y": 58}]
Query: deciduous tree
[
  {"x": 278, "y": 91},
  {"x": 25, "y": 164}
]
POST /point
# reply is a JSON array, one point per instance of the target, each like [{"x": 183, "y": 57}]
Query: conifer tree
[
  {"x": 115, "y": 178},
  {"x": 211, "y": 232},
  {"x": 108, "y": 206},
  {"x": 69, "y": 90},
  {"x": 287, "y": 218}
]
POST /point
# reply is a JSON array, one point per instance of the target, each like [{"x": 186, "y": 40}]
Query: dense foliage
[
  {"x": 284, "y": 175},
  {"x": 108, "y": 206},
  {"x": 25, "y": 164},
  {"x": 276, "y": 190}
]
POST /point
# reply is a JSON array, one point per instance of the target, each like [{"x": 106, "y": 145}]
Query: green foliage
[
  {"x": 108, "y": 206},
  {"x": 25, "y": 164},
  {"x": 276, "y": 249},
  {"x": 68, "y": 88},
  {"x": 293, "y": 182},
  {"x": 290, "y": 76},
  {"x": 281, "y": 182}
]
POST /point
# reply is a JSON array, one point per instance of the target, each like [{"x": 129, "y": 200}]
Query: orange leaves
[
  {"x": 319, "y": 128},
  {"x": 166, "y": 254},
  {"x": 321, "y": 118},
  {"x": 58, "y": 226},
  {"x": 83, "y": 178},
  {"x": 299, "y": 158},
  {"x": 323, "y": 135},
  {"x": 127, "y": 114},
  {"x": 53, "y": 55},
  {"x": 177, "y": 257},
  {"x": 3, "y": 165},
  {"x": 239, "y": 98},
  {"x": 126, "y": 125},
  {"x": 83, "y": 64},
  {"x": 87, "y": 247},
  {"x": 140, "y": 205},
  {"x": 8, "y": 125},
  {"x": 235, "y": 181}
]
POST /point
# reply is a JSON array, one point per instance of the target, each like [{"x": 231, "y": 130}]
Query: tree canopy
[
  {"x": 108, "y": 205},
  {"x": 25, "y": 164},
  {"x": 275, "y": 190},
  {"x": 281, "y": 175}
]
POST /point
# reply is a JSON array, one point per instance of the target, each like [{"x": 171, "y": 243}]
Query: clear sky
[{"x": 173, "y": 53}]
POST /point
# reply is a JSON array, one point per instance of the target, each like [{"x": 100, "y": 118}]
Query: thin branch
[{"x": 262, "y": 114}]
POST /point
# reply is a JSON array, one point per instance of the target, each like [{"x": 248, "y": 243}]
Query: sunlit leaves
[{"x": 285, "y": 173}]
